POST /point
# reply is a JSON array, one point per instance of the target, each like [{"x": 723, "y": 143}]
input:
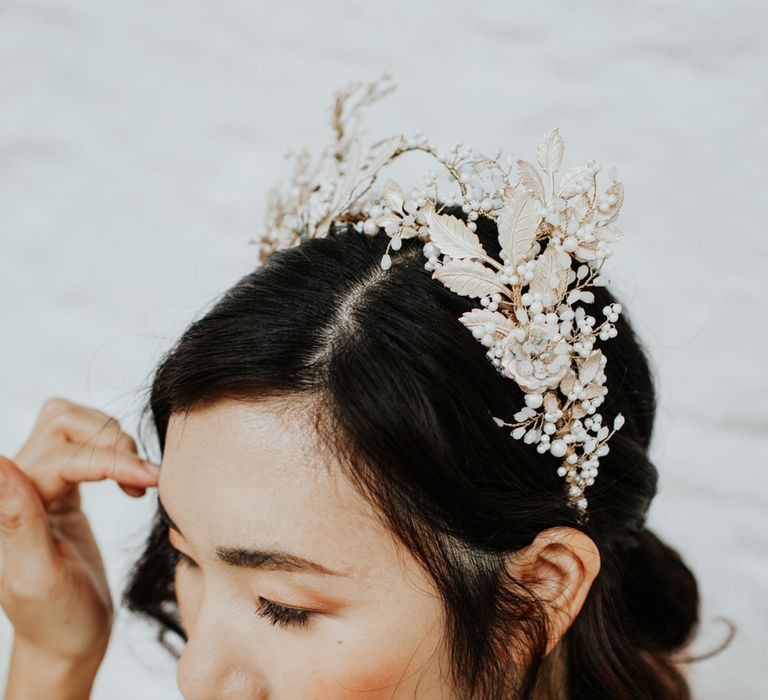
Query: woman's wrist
[{"x": 36, "y": 674}]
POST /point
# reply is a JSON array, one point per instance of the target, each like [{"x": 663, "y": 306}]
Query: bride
[{"x": 342, "y": 509}]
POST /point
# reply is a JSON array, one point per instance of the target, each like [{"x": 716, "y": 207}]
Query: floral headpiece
[{"x": 528, "y": 318}]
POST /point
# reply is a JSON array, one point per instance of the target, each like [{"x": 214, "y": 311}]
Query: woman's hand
[{"x": 53, "y": 585}]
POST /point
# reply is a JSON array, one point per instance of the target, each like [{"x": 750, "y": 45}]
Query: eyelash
[
  {"x": 279, "y": 614},
  {"x": 276, "y": 614}
]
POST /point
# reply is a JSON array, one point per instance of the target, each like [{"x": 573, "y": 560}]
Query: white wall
[{"x": 137, "y": 141}]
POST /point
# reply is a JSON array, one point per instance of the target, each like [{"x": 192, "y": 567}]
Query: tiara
[{"x": 529, "y": 318}]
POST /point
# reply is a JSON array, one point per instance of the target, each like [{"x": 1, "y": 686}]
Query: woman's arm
[{"x": 33, "y": 674}]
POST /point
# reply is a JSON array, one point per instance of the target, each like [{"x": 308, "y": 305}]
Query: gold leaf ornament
[
  {"x": 470, "y": 279},
  {"x": 550, "y": 152},
  {"x": 530, "y": 179},
  {"x": 352, "y": 174},
  {"x": 480, "y": 318},
  {"x": 616, "y": 193},
  {"x": 609, "y": 234},
  {"x": 569, "y": 183},
  {"x": 517, "y": 224},
  {"x": 453, "y": 237},
  {"x": 549, "y": 268},
  {"x": 393, "y": 196},
  {"x": 542, "y": 227},
  {"x": 383, "y": 154},
  {"x": 590, "y": 367}
]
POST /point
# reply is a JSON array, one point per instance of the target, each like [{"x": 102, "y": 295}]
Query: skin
[
  {"x": 376, "y": 632},
  {"x": 377, "y": 629},
  {"x": 53, "y": 586},
  {"x": 236, "y": 475}
]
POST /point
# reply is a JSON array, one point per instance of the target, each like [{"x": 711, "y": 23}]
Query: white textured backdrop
[{"x": 137, "y": 142}]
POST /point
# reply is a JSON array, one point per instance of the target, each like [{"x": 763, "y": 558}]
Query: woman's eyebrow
[{"x": 268, "y": 559}]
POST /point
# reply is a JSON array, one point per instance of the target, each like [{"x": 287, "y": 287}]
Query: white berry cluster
[{"x": 529, "y": 316}]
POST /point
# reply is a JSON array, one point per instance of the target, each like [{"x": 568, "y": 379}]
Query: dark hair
[{"x": 405, "y": 397}]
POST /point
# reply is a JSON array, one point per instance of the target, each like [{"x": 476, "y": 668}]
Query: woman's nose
[
  {"x": 216, "y": 664},
  {"x": 212, "y": 682}
]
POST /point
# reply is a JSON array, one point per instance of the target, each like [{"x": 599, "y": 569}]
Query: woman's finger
[
  {"x": 134, "y": 491},
  {"x": 29, "y": 555},
  {"x": 61, "y": 420},
  {"x": 56, "y": 470}
]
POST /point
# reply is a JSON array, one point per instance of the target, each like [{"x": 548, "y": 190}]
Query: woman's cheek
[{"x": 390, "y": 666}]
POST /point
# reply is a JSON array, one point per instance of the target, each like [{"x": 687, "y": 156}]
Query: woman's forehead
[
  {"x": 237, "y": 472},
  {"x": 262, "y": 438}
]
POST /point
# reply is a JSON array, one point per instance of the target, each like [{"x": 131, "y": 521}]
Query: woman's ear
[{"x": 560, "y": 566}]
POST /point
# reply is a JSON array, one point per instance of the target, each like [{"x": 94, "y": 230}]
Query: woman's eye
[
  {"x": 279, "y": 614},
  {"x": 274, "y": 612}
]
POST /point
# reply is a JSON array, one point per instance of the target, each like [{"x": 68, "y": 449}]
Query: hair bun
[{"x": 660, "y": 592}]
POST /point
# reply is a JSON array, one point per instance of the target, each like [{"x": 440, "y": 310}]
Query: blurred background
[{"x": 138, "y": 141}]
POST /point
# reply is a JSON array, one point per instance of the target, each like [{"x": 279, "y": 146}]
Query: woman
[
  {"x": 303, "y": 397},
  {"x": 340, "y": 514}
]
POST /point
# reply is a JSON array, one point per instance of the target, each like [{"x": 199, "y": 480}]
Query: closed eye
[
  {"x": 282, "y": 615},
  {"x": 277, "y": 614}
]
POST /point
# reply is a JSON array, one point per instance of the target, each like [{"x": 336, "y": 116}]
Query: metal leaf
[
  {"x": 351, "y": 175},
  {"x": 453, "y": 238},
  {"x": 617, "y": 190},
  {"x": 479, "y": 317},
  {"x": 530, "y": 179},
  {"x": 589, "y": 368},
  {"x": 386, "y": 149},
  {"x": 609, "y": 234},
  {"x": 567, "y": 187},
  {"x": 549, "y": 265},
  {"x": 568, "y": 382},
  {"x": 550, "y": 152},
  {"x": 551, "y": 403},
  {"x": 469, "y": 278},
  {"x": 595, "y": 390},
  {"x": 393, "y": 196},
  {"x": 517, "y": 224}
]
